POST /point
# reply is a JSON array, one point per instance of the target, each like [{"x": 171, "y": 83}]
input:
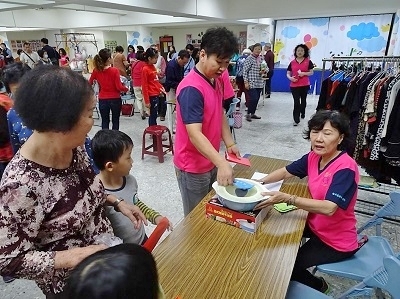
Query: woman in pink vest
[
  {"x": 332, "y": 182},
  {"x": 298, "y": 72}
]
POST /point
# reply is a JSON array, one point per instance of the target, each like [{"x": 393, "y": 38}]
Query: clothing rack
[
  {"x": 381, "y": 59},
  {"x": 365, "y": 206}
]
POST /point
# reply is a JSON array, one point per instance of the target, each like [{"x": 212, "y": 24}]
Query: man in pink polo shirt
[{"x": 201, "y": 122}]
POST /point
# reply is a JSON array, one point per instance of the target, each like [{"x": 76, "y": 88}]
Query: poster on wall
[
  {"x": 358, "y": 35},
  {"x": 290, "y": 33},
  {"x": 332, "y": 37},
  {"x": 110, "y": 44},
  {"x": 188, "y": 39},
  {"x": 242, "y": 41},
  {"x": 19, "y": 44},
  {"x": 394, "y": 42}
]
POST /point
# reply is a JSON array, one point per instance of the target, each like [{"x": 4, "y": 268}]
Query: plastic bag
[{"x": 107, "y": 239}]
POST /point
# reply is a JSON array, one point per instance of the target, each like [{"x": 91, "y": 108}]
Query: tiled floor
[{"x": 273, "y": 135}]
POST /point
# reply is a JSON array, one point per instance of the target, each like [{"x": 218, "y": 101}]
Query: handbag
[{"x": 127, "y": 109}]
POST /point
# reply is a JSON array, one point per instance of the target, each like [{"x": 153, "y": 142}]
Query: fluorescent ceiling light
[
  {"x": 9, "y": 5},
  {"x": 4, "y": 29}
]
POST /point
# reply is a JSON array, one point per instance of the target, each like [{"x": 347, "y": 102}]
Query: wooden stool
[{"x": 157, "y": 145}]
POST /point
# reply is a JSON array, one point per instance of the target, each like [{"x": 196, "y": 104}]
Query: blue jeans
[
  {"x": 254, "y": 94},
  {"x": 154, "y": 101},
  {"x": 113, "y": 105},
  {"x": 194, "y": 186}
]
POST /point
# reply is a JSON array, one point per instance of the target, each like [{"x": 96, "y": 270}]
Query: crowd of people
[{"x": 62, "y": 194}]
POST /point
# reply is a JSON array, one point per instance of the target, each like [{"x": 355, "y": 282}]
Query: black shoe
[
  {"x": 255, "y": 117},
  {"x": 303, "y": 116},
  {"x": 268, "y": 96},
  {"x": 295, "y": 124},
  {"x": 325, "y": 286},
  {"x": 248, "y": 117},
  {"x": 8, "y": 279}
]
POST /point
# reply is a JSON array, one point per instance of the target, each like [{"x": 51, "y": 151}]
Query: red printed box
[{"x": 247, "y": 221}]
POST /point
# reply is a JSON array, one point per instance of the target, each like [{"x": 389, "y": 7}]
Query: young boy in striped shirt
[{"x": 112, "y": 150}]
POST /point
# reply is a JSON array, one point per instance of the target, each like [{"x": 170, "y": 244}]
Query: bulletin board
[
  {"x": 110, "y": 44},
  {"x": 19, "y": 44}
]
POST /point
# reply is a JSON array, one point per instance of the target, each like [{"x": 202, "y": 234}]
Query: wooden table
[{"x": 204, "y": 258}]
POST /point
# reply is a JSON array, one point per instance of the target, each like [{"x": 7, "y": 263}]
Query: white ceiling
[{"x": 120, "y": 14}]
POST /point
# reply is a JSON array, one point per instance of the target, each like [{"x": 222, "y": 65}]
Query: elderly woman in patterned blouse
[{"x": 51, "y": 203}]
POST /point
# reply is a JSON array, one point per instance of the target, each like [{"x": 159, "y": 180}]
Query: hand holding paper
[{"x": 231, "y": 157}]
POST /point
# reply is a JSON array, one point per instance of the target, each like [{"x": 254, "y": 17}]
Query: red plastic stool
[{"x": 157, "y": 145}]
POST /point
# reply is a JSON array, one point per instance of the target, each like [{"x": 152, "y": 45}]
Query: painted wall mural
[
  {"x": 142, "y": 36},
  {"x": 290, "y": 33},
  {"x": 394, "y": 44},
  {"x": 358, "y": 35},
  {"x": 258, "y": 34}
]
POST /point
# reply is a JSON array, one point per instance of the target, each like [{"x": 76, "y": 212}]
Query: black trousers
[
  {"x": 315, "y": 252},
  {"x": 162, "y": 106},
  {"x": 268, "y": 82},
  {"x": 300, "y": 101},
  {"x": 62, "y": 295}
]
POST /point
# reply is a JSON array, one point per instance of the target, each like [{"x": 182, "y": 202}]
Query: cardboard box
[{"x": 247, "y": 221}]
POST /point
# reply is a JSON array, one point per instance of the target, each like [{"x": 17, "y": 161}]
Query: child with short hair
[
  {"x": 112, "y": 152},
  {"x": 122, "y": 271}
]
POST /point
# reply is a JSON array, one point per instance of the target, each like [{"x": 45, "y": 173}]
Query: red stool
[{"x": 157, "y": 145}]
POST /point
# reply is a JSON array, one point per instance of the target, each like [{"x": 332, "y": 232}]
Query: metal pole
[{"x": 322, "y": 74}]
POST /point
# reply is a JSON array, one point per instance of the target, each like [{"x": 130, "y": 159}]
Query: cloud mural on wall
[
  {"x": 372, "y": 45},
  {"x": 319, "y": 21},
  {"x": 290, "y": 32},
  {"x": 134, "y": 42},
  {"x": 135, "y": 35},
  {"x": 363, "y": 31},
  {"x": 148, "y": 39}
]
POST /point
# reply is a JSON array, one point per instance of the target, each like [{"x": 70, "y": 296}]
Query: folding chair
[
  {"x": 385, "y": 278},
  {"x": 370, "y": 256},
  {"x": 229, "y": 115}
]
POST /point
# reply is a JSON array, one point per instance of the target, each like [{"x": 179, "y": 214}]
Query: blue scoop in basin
[{"x": 242, "y": 187}]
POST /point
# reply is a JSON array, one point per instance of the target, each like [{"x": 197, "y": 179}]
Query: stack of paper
[{"x": 280, "y": 207}]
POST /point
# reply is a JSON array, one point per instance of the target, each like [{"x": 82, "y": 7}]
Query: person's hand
[
  {"x": 225, "y": 174},
  {"x": 261, "y": 181},
  {"x": 68, "y": 259},
  {"x": 234, "y": 150},
  {"x": 301, "y": 74},
  {"x": 133, "y": 213},
  {"x": 293, "y": 79},
  {"x": 147, "y": 105},
  {"x": 162, "y": 92},
  {"x": 170, "y": 225},
  {"x": 246, "y": 85},
  {"x": 274, "y": 197}
]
